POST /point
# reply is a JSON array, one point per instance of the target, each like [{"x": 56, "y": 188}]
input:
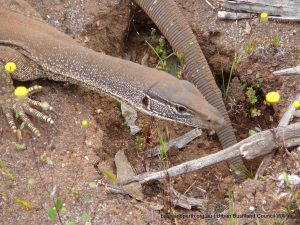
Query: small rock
[{"x": 251, "y": 208}]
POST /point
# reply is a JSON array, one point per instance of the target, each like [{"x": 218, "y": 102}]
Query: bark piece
[{"x": 124, "y": 172}]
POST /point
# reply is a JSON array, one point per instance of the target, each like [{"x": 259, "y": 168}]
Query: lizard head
[{"x": 181, "y": 101}]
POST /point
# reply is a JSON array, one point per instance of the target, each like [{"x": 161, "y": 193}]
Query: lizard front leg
[{"x": 12, "y": 105}]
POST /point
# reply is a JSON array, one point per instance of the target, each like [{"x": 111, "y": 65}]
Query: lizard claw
[{"x": 10, "y": 104}]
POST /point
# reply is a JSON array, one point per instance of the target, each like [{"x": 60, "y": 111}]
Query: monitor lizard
[{"x": 41, "y": 51}]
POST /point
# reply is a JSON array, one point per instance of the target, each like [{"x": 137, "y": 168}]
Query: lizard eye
[
  {"x": 180, "y": 109},
  {"x": 145, "y": 102}
]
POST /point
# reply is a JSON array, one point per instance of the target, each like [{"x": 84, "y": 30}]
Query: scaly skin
[{"x": 40, "y": 51}]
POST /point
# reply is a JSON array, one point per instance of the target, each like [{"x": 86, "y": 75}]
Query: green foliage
[
  {"x": 251, "y": 94},
  {"x": 24, "y": 203},
  {"x": 85, "y": 217},
  {"x": 233, "y": 68},
  {"x": 75, "y": 194},
  {"x": 139, "y": 143},
  {"x": 254, "y": 112},
  {"x": 5, "y": 170},
  {"x": 58, "y": 205},
  {"x": 49, "y": 161},
  {"x": 160, "y": 48},
  {"x": 180, "y": 58},
  {"x": 275, "y": 41},
  {"x": 161, "y": 52},
  {"x": 163, "y": 143},
  {"x": 248, "y": 173},
  {"x": 231, "y": 208},
  {"x": 286, "y": 178},
  {"x": 250, "y": 47},
  {"x": 110, "y": 176},
  {"x": 18, "y": 146},
  {"x": 52, "y": 213}
]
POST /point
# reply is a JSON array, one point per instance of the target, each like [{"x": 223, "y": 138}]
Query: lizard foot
[{"x": 23, "y": 107}]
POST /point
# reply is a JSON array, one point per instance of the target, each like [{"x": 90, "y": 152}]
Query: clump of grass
[
  {"x": 275, "y": 42},
  {"x": 250, "y": 47},
  {"x": 231, "y": 208},
  {"x": 161, "y": 52},
  {"x": 139, "y": 143},
  {"x": 225, "y": 88},
  {"x": 163, "y": 143}
]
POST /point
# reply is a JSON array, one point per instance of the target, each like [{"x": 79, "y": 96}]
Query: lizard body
[{"x": 41, "y": 51}]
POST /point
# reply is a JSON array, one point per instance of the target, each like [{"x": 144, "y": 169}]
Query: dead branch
[
  {"x": 179, "y": 142},
  {"x": 186, "y": 202},
  {"x": 288, "y": 71},
  {"x": 223, "y": 15},
  {"x": 284, "y": 19},
  {"x": 285, "y": 120},
  {"x": 251, "y": 147},
  {"x": 282, "y": 8}
]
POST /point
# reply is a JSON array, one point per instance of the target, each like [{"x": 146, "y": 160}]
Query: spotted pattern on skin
[{"x": 41, "y": 51}]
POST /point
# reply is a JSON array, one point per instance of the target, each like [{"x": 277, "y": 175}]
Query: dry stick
[
  {"x": 288, "y": 71},
  {"x": 223, "y": 15},
  {"x": 285, "y": 120},
  {"x": 210, "y": 5},
  {"x": 280, "y": 8},
  {"x": 259, "y": 144}
]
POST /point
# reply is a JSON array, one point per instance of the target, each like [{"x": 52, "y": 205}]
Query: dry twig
[{"x": 259, "y": 144}]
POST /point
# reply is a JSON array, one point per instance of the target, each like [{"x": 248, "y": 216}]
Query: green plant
[
  {"x": 110, "y": 176},
  {"x": 163, "y": 143},
  {"x": 254, "y": 112},
  {"x": 231, "y": 208},
  {"x": 275, "y": 41},
  {"x": 161, "y": 52},
  {"x": 139, "y": 143},
  {"x": 235, "y": 63},
  {"x": 250, "y": 47},
  {"x": 180, "y": 57},
  {"x": 5, "y": 170}
]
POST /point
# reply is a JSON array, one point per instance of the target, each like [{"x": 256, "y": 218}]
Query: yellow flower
[
  {"x": 296, "y": 104},
  {"x": 264, "y": 17},
  {"x": 10, "y": 67},
  {"x": 273, "y": 97},
  {"x": 21, "y": 92},
  {"x": 84, "y": 123}
]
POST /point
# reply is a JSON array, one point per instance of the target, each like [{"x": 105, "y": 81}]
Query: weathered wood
[
  {"x": 284, "y": 121},
  {"x": 124, "y": 172},
  {"x": 288, "y": 71},
  {"x": 223, "y": 15},
  {"x": 259, "y": 144},
  {"x": 185, "y": 201},
  {"x": 285, "y": 8}
]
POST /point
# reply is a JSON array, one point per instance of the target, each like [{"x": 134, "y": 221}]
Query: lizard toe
[
  {"x": 37, "y": 114},
  {"x": 28, "y": 123}
]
